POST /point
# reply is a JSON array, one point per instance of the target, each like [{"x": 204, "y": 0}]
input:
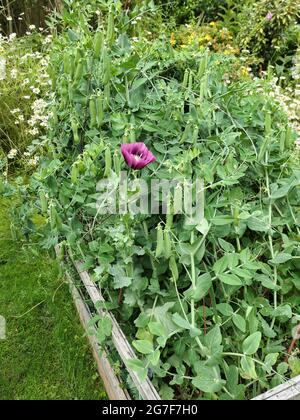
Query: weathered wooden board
[
  {"x": 112, "y": 384},
  {"x": 145, "y": 388},
  {"x": 289, "y": 391}
]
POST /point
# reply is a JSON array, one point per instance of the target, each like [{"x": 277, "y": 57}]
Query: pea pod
[
  {"x": 110, "y": 28},
  {"x": 53, "y": 217},
  {"x": 106, "y": 100},
  {"x": 93, "y": 113},
  {"x": 79, "y": 71},
  {"x": 74, "y": 125},
  {"x": 191, "y": 81},
  {"x": 169, "y": 219},
  {"x": 268, "y": 124},
  {"x": 106, "y": 68},
  {"x": 98, "y": 43},
  {"x": 100, "y": 111},
  {"x": 289, "y": 141},
  {"x": 203, "y": 65},
  {"x": 282, "y": 141},
  {"x": 67, "y": 63},
  {"x": 108, "y": 162},
  {"x": 74, "y": 174},
  {"x": 264, "y": 148},
  {"x": 160, "y": 242},
  {"x": 185, "y": 79},
  {"x": 167, "y": 244},
  {"x": 174, "y": 269},
  {"x": 43, "y": 200},
  {"x": 177, "y": 199},
  {"x": 117, "y": 163}
]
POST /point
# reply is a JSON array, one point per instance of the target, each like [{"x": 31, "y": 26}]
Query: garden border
[
  {"x": 290, "y": 390},
  {"x": 126, "y": 352},
  {"x": 112, "y": 383}
]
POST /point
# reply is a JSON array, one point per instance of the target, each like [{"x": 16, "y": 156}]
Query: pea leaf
[
  {"x": 248, "y": 368},
  {"x": 239, "y": 322},
  {"x": 203, "y": 284},
  {"x": 137, "y": 366},
  {"x": 251, "y": 344},
  {"x": 208, "y": 380},
  {"x": 143, "y": 346},
  {"x": 281, "y": 258},
  {"x": 230, "y": 279}
]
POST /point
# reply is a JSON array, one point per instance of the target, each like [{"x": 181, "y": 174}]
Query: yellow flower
[
  {"x": 213, "y": 23},
  {"x": 207, "y": 37},
  {"x": 244, "y": 71}
]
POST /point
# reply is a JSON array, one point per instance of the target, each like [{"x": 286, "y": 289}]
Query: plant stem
[{"x": 193, "y": 275}]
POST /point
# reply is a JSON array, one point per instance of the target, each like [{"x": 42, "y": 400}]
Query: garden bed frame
[
  {"x": 114, "y": 387},
  {"x": 112, "y": 383}
]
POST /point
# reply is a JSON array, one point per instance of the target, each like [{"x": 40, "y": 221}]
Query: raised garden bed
[{"x": 115, "y": 388}]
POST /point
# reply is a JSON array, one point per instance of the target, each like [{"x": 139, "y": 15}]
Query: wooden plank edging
[
  {"x": 289, "y": 391},
  {"x": 145, "y": 388},
  {"x": 112, "y": 384}
]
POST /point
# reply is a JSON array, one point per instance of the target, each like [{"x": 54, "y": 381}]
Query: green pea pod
[
  {"x": 178, "y": 200},
  {"x": 108, "y": 162},
  {"x": 106, "y": 100},
  {"x": 174, "y": 269},
  {"x": 93, "y": 113},
  {"x": 203, "y": 65},
  {"x": 53, "y": 217},
  {"x": 117, "y": 163},
  {"x": 110, "y": 29},
  {"x": 100, "y": 111},
  {"x": 67, "y": 63},
  {"x": 289, "y": 141},
  {"x": 191, "y": 81},
  {"x": 74, "y": 125},
  {"x": 268, "y": 124},
  {"x": 74, "y": 174},
  {"x": 160, "y": 242},
  {"x": 98, "y": 43},
  {"x": 282, "y": 141},
  {"x": 170, "y": 215},
  {"x": 264, "y": 148},
  {"x": 44, "y": 201},
  {"x": 106, "y": 68},
  {"x": 79, "y": 71},
  {"x": 186, "y": 79},
  {"x": 167, "y": 244}
]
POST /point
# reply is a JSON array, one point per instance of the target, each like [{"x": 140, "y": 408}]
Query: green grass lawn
[{"x": 45, "y": 355}]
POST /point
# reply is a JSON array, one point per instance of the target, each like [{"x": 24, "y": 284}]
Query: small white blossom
[{"x": 12, "y": 154}]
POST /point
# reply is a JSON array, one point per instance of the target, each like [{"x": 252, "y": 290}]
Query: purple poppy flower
[
  {"x": 269, "y": 16},
  {"x": 136, "y": 155}
]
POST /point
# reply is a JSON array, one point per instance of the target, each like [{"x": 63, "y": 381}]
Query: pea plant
[{"x": 210, "y": 305}]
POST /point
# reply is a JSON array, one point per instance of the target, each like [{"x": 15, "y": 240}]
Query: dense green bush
[
  {"x": 270, "y": 29},
  {"x": 184, "y": 11},
  {"x": 208, "y": 306}
]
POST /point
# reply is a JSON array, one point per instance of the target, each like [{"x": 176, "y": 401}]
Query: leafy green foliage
[{"x": 222, "y": 293}]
